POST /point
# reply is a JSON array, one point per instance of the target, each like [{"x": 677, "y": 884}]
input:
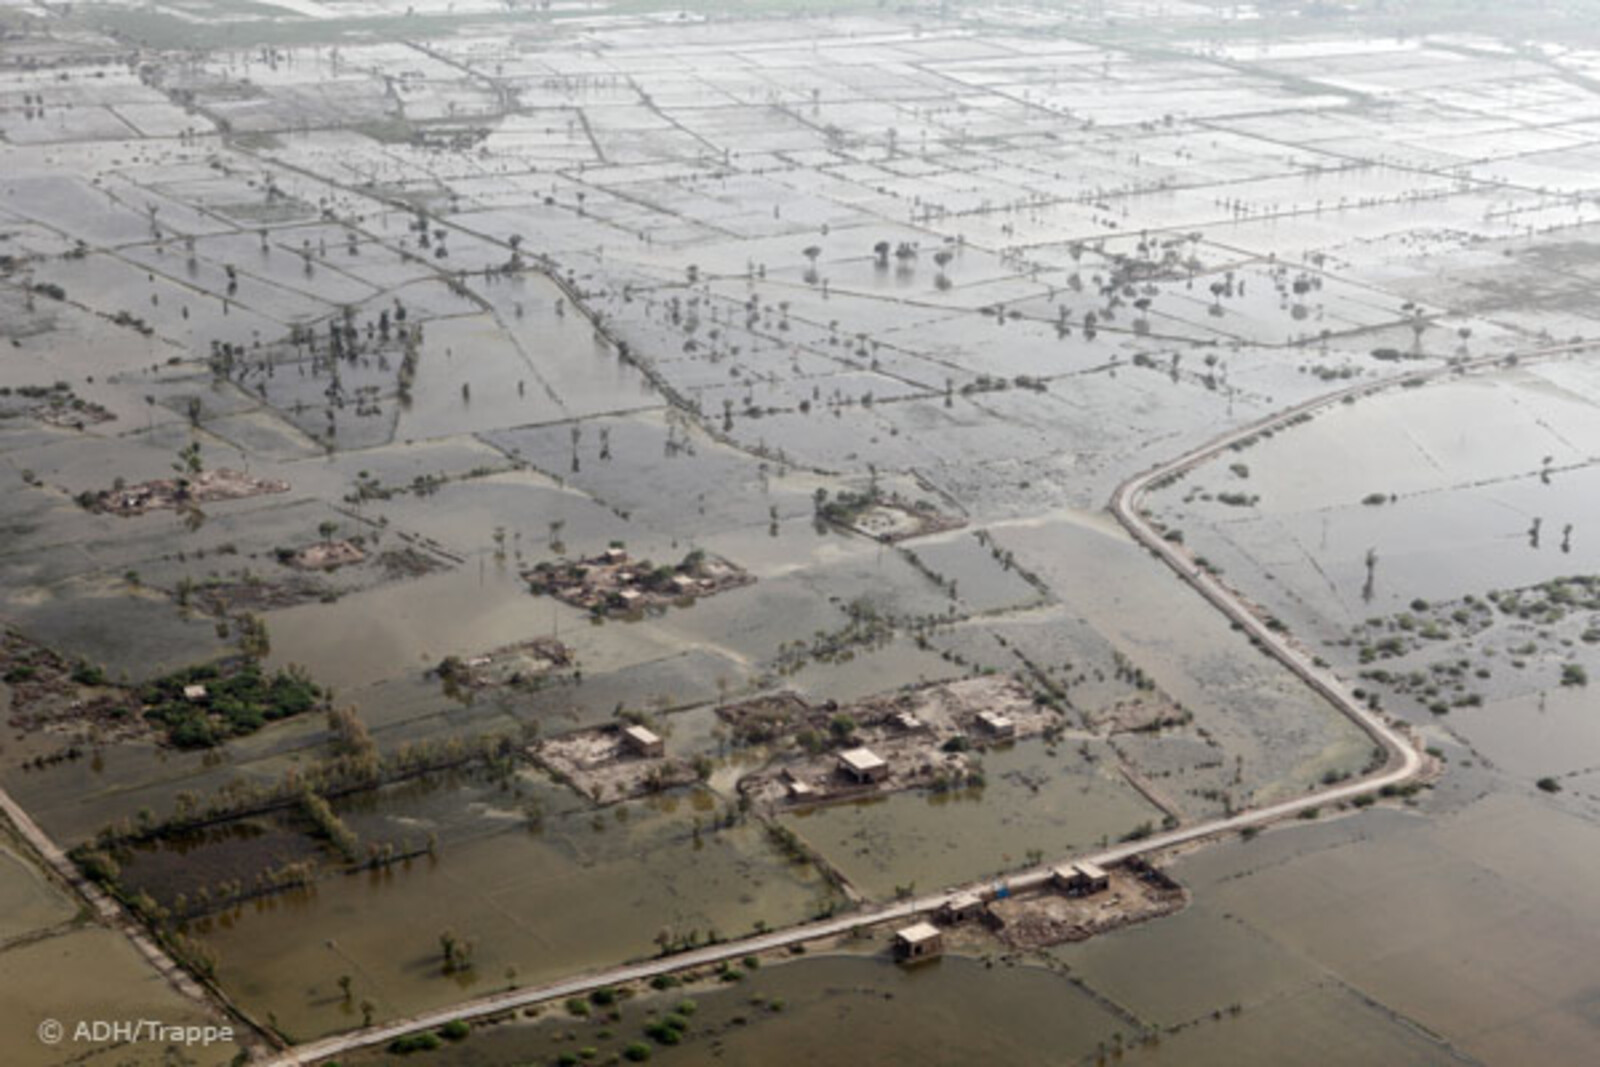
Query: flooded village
[{"x": 605, "y": 531}]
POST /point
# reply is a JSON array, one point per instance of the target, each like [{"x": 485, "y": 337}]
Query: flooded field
[
  {"x": 489, "y": 380},
  {"x": 57, "y": 963},
  {"x": 580, "y": 891},
  {"x": 1032, "y": 805},
  {"x": 799, "y": 1012}
]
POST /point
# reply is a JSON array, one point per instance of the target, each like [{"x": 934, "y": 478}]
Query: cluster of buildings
[
  {"x": 923, "y": 940},
  {"x": 612, "y": 581}
]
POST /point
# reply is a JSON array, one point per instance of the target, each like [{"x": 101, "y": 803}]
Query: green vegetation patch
[{"x": 203, "y": 706}]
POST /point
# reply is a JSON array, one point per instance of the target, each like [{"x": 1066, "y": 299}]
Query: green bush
[
  {"x": 424, "y": 1042},
  {"x": 236, "y": 704},
  {"x": 86, "y": 673}
]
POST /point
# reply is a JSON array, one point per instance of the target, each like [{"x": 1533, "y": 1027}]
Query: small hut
[{"x": 920, "y": 941}]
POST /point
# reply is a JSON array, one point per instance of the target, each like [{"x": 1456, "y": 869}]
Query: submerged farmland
[{"x": 501, "y": 494}]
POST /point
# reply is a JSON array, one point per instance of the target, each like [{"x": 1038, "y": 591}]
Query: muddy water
[
  {"x": 405, "y": 628},
  {"x": 1470, "y": 919},
  {"x": 1282, "y": 958},
  {"x": 527, "y": 899},
  {"x": 1031, "y": 800},
  {"x": 956, "y": 1011},
  {"x": 27, "y": 900},
  {"x": 1553, "y": 732},
  {"x": 1463, "y": 461},
  {"x": 863, "y": 1009},
  {"x": 86, "y": 975},
  {"x": 54, "y": 967},
  {"x": 1482, "y": 936},
  {"x": 1280, "y": 738}
]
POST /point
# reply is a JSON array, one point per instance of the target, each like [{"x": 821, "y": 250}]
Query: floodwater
[
  {"x": 526, "y": 899},
  {"x": 1466, "y": 462},
  {"x": 1482, "y": 936},
  {"x": 1281, "y": 958},
  {"x": 86, "y": 975},
  {"x": 27, "y": 901},
  {"x": 682, "y": 201},
  {"x": 1033, "y": 805},
  {"x": 831, "y": 1008},
  {"x": 55, "y": 966},
  {"x": 1280, "y": 738}
]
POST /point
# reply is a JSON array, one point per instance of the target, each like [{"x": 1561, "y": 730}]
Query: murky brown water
[{"x": 588, "y": 889}]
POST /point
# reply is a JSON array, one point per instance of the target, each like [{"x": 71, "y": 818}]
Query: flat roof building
[
  {"x": 643, "y": 742},
  {"x": 863, "y": 765},
  {"x": 996, "y": 725},
  {"x": 194, "y": 694},
  {"x": 961, "y": 907},
  {"x": 1081, "y": 878},
  {"x": 919, "y": 941}
]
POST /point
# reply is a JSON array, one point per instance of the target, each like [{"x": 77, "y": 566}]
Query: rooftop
[
  {"x": 861, "y": 760},
  {"x": 642, "y": 735},
  {"x": 917, "y": 933}
]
